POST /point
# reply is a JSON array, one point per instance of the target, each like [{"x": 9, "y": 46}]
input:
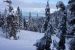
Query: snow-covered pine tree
[
  {"x": 11, "y": 27},
  {"x": 47, "y": 14},
  {"x": 72, "y": 6},
  {"x": 25, "y": 24},
  {"x": 30, "y": 22},
  {"x": 4, "y": 19},
  {"x": 0, "y": 19},
  {"x": 71, "y": 1},
  {"x": 39, "y": 23},
  {"x": 11, "y": 22},
  {"x": 20, "y": 19},
  {"x": 71, "y": 25},
  {"x": 45, "y": 42},
  {"x": 10, "y": 8},
  {"x": 62, "y": 26}
]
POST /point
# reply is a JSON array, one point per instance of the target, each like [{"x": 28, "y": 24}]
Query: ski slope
[{"x": 25, "y": 41}]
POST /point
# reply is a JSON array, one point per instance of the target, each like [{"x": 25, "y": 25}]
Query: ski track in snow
[{"x": 25, "y": 41}]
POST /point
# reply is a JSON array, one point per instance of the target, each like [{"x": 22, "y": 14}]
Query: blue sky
[{"x": 34, "y": 6}]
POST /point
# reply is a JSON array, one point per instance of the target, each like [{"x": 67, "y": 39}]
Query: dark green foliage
[
  {"x": 44, "y": 43},
  {"x": 72, "y": 5},
  {"x": 12, "y": 27},
  {"x": 47, "y": 14},
  {"x": 1, "y": 22},
  {"x": 62, "y": 26},
  {"x": 63, "y": 29},
  {"x": 25, "y": 25},
  {"x": 71, "y": 1},
  {"x": 60, "y": 5},
  {"x": 72, "y": 44}
]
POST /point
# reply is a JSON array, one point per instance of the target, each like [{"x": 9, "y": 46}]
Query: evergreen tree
[
  {"x": 45, "y": 42},
  {"x": 47, "y": 14},
  {"x": 30, "y": 22},
  {"x": 62, "y": 26},
  {"x": 10, "y": 21},
  {"x": 0, "y": 19},
  {"x": 71, "y": 1},
  {"x": 60, "y": 5},
  {"x": 9, "y": 5},
  {"x": 25, "y": 25},
  {"x": 71, "y": 23},
  {"x": 19, "y": 14},
  {"x": 72, "y": 5}
]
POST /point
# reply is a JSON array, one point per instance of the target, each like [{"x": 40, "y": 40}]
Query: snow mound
[{"x": 25, "y": 42}]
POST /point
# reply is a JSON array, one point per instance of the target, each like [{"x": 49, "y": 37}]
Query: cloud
[{"x": 31, "y": 5}]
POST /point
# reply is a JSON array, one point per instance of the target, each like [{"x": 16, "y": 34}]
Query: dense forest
[{"x": 59, "y": 24}]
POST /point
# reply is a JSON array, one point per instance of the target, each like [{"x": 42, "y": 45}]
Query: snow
[
  {"x": 25, "y": 41},
  {"x": 55, "y": 41}
]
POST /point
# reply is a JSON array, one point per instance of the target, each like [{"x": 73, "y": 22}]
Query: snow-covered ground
[{"x": 25, "y": 41}]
